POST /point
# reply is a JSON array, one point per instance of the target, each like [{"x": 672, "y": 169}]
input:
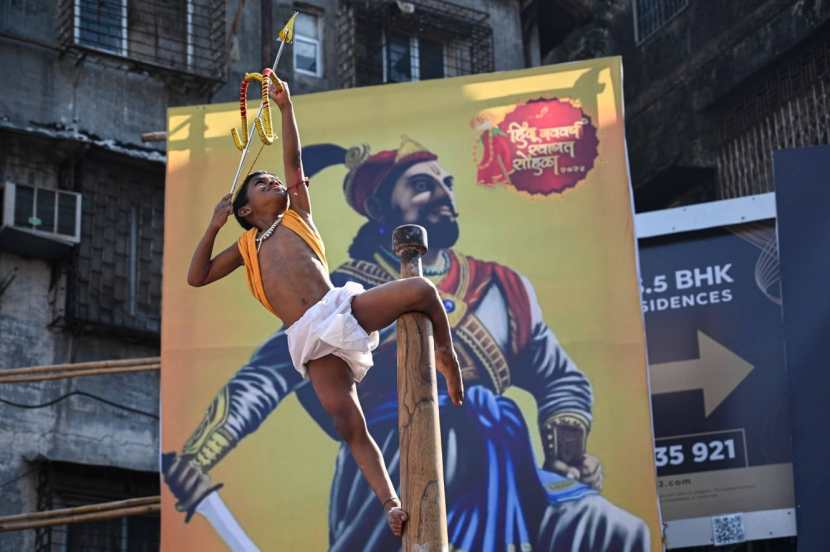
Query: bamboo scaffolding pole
[
  {"x": 81, "y": 366},
  {"x": 80, "y": 373},
  {"x": 156, "y": 136},
  {"x": 86, "y": 509},
  {"x": 82, "y": 514},
  {"x": 80, "y": 369},
  {"x": 83, "y": 518}
]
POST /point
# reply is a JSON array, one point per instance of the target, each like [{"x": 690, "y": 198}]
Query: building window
[
  {"x": 308, "y": 55},
  {"x": 409, "y": 58},
  {"x": 785, "y": 105},
  {"x": 67, "y": 485},
  {"x": 102, "y": 25},
  {"x": 185, "y": 36},
  {"x": 652, "y": 15},
  {"x": 382, "y": 42}
]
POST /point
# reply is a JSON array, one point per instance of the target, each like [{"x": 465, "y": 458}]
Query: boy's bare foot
[
  {"x": 446, "y": 361},
  {"x": 395, "y": 516}
]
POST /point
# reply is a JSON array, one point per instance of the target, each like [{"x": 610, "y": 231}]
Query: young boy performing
[{"x": 331, "y": 331}]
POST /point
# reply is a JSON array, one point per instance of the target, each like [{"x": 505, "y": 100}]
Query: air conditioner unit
[{"x": 38, "y": 222}]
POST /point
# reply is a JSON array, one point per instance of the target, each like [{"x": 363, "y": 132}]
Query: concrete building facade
[
  {"x": 82, "y": 204},
  {"x": 711, "y": 88}
]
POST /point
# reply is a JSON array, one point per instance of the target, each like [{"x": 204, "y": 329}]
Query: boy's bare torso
[{"x": 293, "y": 277}]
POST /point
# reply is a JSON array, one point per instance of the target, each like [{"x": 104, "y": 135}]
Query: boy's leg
[
  {"x": 332, "y": 381},
  {"x": 382, "y": 305}
]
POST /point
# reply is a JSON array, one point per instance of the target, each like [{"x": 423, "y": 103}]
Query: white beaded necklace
[{"x": 267, "y": 234}]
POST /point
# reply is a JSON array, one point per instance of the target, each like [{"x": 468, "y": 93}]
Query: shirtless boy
[{"x": 331, "y": 331}]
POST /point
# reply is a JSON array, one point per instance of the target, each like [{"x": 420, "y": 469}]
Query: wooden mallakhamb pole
[{"x": 421, "y": 469}]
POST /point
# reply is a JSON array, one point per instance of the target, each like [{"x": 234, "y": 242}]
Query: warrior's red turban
[{"x": 368, "y": 175}]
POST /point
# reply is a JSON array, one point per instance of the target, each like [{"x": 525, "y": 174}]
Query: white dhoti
[{"x": 329, "y": 328}]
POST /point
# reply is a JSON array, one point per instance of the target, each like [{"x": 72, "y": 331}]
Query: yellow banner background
[{"x": 577, "y": 248}]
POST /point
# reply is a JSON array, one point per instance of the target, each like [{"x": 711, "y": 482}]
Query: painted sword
[
  {"x": 213, "y": 509},
  {"x": 197, "y": 494}
]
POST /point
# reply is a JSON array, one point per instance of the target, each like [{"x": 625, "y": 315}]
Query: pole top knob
[{"x": 410, "y": 236}]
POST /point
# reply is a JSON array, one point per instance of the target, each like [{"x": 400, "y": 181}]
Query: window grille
[
  {"x": 308, "y": 45},
  {"x": 786, "y": 105},
  {"x": 381, "y": 41},
  {"x": 183, "y": 36},
  {"x": 652, "y": 15},
  {"x": 66, "y": 485}
]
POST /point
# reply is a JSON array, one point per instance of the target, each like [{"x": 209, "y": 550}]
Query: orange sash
[{"x": 247, "y": 248}]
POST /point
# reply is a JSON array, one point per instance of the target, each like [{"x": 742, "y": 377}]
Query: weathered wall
[
  {"x": 68, "y": 104},
  {"x": 123, "y": 221},
  {"x": 32, "y": 332},
  {"x": 55, "y": 90},
  {"x": 504, "y": 18},
  {"x": 676, "y": 80},
  {"x": 506, "y": 22},
  {"x": 76, "y": 430},
  {"x": 25, "y": 311},
  {"x": 74, "y": 123}
]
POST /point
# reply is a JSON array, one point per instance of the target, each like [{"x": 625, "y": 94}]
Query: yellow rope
[{"x": 251, "y": 167}]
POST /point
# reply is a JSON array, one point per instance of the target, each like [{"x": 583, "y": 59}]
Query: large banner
[
  {"x": 712, "y": 301},
  {"x": 803, "y": 199},
  {"x": 521, "y": 180}
]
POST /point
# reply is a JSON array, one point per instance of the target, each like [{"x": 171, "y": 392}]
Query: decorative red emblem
[{"x": 541, "y": 147}]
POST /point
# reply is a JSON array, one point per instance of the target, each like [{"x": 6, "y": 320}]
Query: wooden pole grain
[{"x": 421, "y": 466}]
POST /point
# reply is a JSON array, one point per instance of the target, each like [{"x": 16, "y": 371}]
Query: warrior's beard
[{"x": 442, "y": 234}]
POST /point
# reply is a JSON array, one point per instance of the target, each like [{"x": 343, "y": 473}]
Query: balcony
[
  {"x": 380, "y": 41},
  {"x": 174, "y": 37}
]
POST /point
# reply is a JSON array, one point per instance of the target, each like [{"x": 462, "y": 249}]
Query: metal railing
[
  {"x": 652, "y": 15},
  {"x": 787, "y": 105},
  {"x": 379, "y": 41},
  {"x": 181, "y": 36}
]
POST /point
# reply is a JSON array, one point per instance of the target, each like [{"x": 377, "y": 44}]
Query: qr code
[{"x": 728, "y": 529}]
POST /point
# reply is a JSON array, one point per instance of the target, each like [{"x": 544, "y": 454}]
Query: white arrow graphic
[{"x": 718, "y": 372}]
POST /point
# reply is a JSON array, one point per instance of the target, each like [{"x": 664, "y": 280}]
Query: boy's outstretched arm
[
  {"x": 291, "y": 150},
  {"x": 204, "y": 270}
]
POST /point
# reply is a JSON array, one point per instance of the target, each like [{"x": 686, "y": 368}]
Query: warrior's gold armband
[{"x": 565, "y": 437}]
